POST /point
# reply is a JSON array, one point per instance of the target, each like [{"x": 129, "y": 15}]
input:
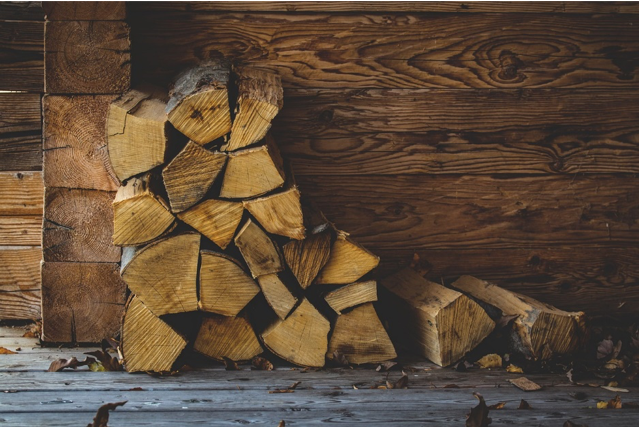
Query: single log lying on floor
[
  {"x": 139, "y": 215},
  {"x": 199, "y": 103},
  {"x": 306, "y": 257},
  {"x": 230, "y": 337},
  {"x": 190, "y": 175},
  {"x": 138, "y": 131},
  {"x": 277, "y": 294},
  {"x": 148, "y": 343},
  {"x": 163, "y": 275},
  {"x": 347, "y": 263},
  {"x": 351, "y": 295},
  {"x": 260, "y": 98},
  {"x": 279, "y": 213},
  {"x": 540, "y": 330},
  {"x": 360, "y": 337},
  {"x": 215, "y": 219},
  {"x": 302, "y": 338},
  {"x": 253, "y": 172},
  {"x": 224, "y": 286},
  {"x": 439, "y": 323},
  {"x": 259, "y": 251}
]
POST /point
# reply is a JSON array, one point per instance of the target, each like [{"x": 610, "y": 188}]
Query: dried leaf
[
  {"x": 73, "y": 363},
  {"x": 108, "y": 363},
  {"x": 514, "y": 369},
  {"x": 400, "y": 383},
  {"x": 340, "y": 359},
  {"x": 607, "y": 348},
  {"x": 525, "y": 384},
  {"x": 478, "y": 416},
  {"x": 136, "y": 389},
  {"x": 230, "y": 364},
  {"x": 282, "y": 424},
  {"x": 290, "y": 389},
  {"x": 6, "y": 351},
  {"x": 490, "y": 361},
  {"x": 524, "y": 405},
  {"x": 615, "y": 389},
  {"x": 102, "y": 417},
  {"x": 294, "y": 385},
  {"x": 498, "y": 405},
  {"x": 386, "y": 366},
  {"x": 262, "y": 364},
  {"x": 571, "y": 424},
  {"x": 611, "y": 404}
]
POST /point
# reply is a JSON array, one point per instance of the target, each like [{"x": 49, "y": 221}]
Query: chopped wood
[
  {"x": 260, "y": 253},
  {"x": 148, "y": 343},
  {"x": 440, "y": 323},
  {"x": 360, "y": 337},
  {"x": 540, "y": 330},
  {"x": 524, "y": 384},
  {"x": 279, "y": 213},
  {"x": 190, "y": 175},
  {"x": 140, "y": 215},
  {"x": 163, "y": 275},
  {"x": 215, "y": 219},
  {"x": 277, "y": 294},
  {"x": 306, "y": 257},
  {"x": 199, "y": 103},
  {"x": 351, "y": 295},
  {"x": 225, "y": 288},
  {"x": 347, "y": 263},
  {"x": 260, "y": 98},
  {"x": 227, "y": 337},
  {"x": 302, "y": 338}
]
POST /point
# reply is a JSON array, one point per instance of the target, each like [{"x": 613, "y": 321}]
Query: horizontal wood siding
[{"x": 21, "y": 55}]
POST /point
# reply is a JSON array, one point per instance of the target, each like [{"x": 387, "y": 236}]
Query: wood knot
[
  {"x": 534, "y": 261},
  {"x": 510, "y": 64},
  {"x": 326, "y": 116}
]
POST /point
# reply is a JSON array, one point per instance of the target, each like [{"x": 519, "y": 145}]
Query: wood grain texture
[
  {"x": 21, "y": 193},
  {"x": 84, "y": 10},
  {"x": 75, "y": 146},
  {"x": 20, "y": 230},
  {"x": 21, "y": 56},
  {"x": 20, "y": 305},
  {"x": 20, "y": 132},
  {"x": 329, "y": 50},
  {"x": 20, "y": 283},
  {"x": 21, "y": 10}
]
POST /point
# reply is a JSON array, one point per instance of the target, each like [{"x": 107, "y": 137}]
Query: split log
[
  {"x": 199, "y": 103},
  {"x": 351, "y": 295},
  {"x": 139, "y": 215},
  {"x": 215, "y": 219},
  {"x": 260, "y": 253},
  {"x": 190, "y": 175},
  {"x": 306, "y": 257},
  {"x": 138, "y": 133},
  {"x": 348, "y": 262},
  {"x": 148, "y": 343},
  {"x": 540, "y": 330},
  {"x": 360, "y": 337},
  {"x": 253, "y": 172},
  {"x": 230, "y": 337},
  {"x": 260, "y": 98},
  {"x": 279, "y": 213},
  {"x": 163, "y": 275},
  {"x": 224, "y": 286},
  {"x": 439, "y": 323},
  {"x": 302, "y": 338},
  {"x": 277, "y": 294}
]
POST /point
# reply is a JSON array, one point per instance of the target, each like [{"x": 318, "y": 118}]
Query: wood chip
[{"x": 525, "y": 384}]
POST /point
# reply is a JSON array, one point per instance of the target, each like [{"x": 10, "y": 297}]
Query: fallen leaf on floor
[
  {"x": 611, "y": 404},
  {"x": 106, "y": 361},
  {"x": 73, "y": 363},
  {"x": 282, "y": 424},
  {"x": 102, "y": 417},
  {"x": 607, "y": 348},
  {"x": 290, "y": 389},
  {"x": 262, "y": 364},
  {"x": 571, "y": 424},
  {"x": 497, "y": 405},
  {"x": 355, "y": 387},
  {"x": 18, "y": 349},
  {"x": 615, "y": 389},
  {"x": 340, "y": 359},
  {"x": 136, "y": 389},
  {"x": 478, "y": 416},
  {"x": 525, "y": 384},
  {"x": 6, "y": 351},
  {"x": 230, "y": 364},
  {"x": 514, "y": 369},
  {"x": 490, "y": 361},
  {"x": 385, "y": 366},
  {"x": 400, "y": 383},
  {"x": 524, "y": 405},
  {"x": 614, "y": 364}
]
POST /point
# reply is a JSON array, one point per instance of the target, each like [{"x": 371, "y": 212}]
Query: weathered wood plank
[
  {"x": 20, "y": 305},
  {"x": 20, "y": 132},
  {"x": 21, "y": 193},
  {"x": 399, "y": 51},
  {"x": 20, "y": 269},
  {"x": 20, "y": 230},
  {"x": 21, "y": 11},
  {"x": 84, "y": 10},
  {"x": 21, "y": 56}
]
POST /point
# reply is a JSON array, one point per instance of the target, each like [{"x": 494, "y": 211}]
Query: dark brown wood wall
[{"x": 494, "y": 139}]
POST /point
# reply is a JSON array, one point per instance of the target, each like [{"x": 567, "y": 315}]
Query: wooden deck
[{"x": 33, "y": 397}]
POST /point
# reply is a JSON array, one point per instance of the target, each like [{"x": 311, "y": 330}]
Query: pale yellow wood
[
  {"x": 351, "y": 295},
  {"x": 306, "y": 257},
  {"x": 302, "y": 338},
  {"x": 279, "y": 213},
  {"x": 215, "y": 219},
  {"x": 360, "y": 337},
  {"x": 139, "y": 215},
  {"x": 225, "y": 288},
  {"x": 347, "y": 263},
  {"x": 148, "y": 343},
  {"x": 277, "y": 294},
  {"x": 190, "y": 175},
  {"x": 260, "y": 253},
  {"x": 230, "y": 337},
  {"x": 163, "y": 275}
]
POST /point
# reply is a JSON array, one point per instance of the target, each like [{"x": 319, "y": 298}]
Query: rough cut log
[
  {"x": 259, "y": 251},
  {"x": 302, "y": 338},
  {"x": 360, "y": 337},
  {"x": 439, "y": 323},
  {"x": 306, "y": 257},
  {"x": 230, "y": 337},
  {"x": 347, "y": 263},
  {"x": 190, "y": 175},
  {"x": 253, "y": 172},
  {"x": 215, "y": 219},
  {"x": 139, "y": 215},
  {"x": 351, "y": 295},
  {"x": 277, "y": 294},
  {"x": 148, "y": 343},
  {"x": 540, "y": 330},
  {"x": 225, "y": 288},
  {"x": 260, "y": 98},
  {"x": 199, "y": 103},
  {"x": 84, "y": 10},
  {"x": 138, "y": 133},
  {"x": 163, "y": 275},
  {"x": 279, "y": 213}
]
